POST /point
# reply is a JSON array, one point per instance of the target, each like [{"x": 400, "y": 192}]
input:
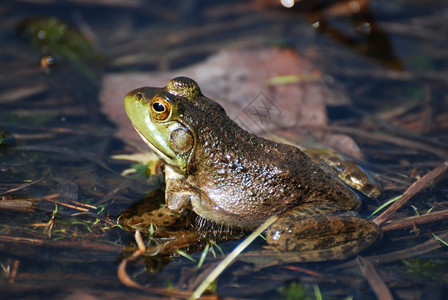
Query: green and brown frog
[{"x": 232, "y": 177}]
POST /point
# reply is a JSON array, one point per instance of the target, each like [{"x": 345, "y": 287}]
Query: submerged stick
[
  {"x": 376, "y": 282},
  {"x": 25, "y": 185},
  {"x": 413, "y": 190},
  {"x": 121, "y": 271},
  {"x": 421, "y": 219}
]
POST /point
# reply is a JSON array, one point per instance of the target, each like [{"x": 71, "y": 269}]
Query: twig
[
  {"x": 49, "y": 198},
  {"x": 412, "y": 190},
  {"x": 72, "y": 244},
  {"x": 21, "y": 93},
  {"x": 17, "y": 205},
  {"x": 410, "y": 221},
  {"x": 402, "y": 142},
  {"x": 303, "y": 270},
  {"x": 84, "y": 204},
  {"x": 127, "y": 281},
  {"x": 121, "y": 271},
  {"x": 15, "y": 268},
  {"x": 420, "y": 249},
  {"x": 22, "y": 186},
  {"x": 376, "y": 282},
  {"x": 392, "y": 75}
]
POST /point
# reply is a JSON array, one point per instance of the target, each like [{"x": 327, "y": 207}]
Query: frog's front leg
[
  {"x": 178, "y": 196},
  {"x": 322, "y": 237}
]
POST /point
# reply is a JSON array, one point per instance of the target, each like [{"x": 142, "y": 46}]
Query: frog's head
[{"x": 158, "y": 116}]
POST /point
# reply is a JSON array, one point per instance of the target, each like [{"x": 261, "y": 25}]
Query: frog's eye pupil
[
  {"x": 158, "y": 107},
  {"x": 139, "y": 96}
]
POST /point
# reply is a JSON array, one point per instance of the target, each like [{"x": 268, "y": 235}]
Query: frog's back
[{"x": 253, "y": 178}]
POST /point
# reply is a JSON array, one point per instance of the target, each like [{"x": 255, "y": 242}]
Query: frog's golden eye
[{"x": 160, "y": 108}]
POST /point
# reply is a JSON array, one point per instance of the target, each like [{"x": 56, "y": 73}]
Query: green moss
[
  {"x": 295, "y": 291},
  {"x": 433, "y": 270}
]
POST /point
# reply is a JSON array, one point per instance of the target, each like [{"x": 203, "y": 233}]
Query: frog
[{"x": 234, "y": 178}]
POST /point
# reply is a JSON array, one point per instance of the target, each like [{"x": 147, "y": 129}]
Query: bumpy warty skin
[
  {"x": 232, "y": 177},
  {"x": 248, "y": 178}
]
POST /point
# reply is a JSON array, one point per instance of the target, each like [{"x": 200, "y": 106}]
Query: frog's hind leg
[
  {"x": 348, "y": 171},
  {"x": 321, "y": 238}
]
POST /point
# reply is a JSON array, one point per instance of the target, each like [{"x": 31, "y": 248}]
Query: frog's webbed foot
[
  {"x": 320, "y": 238},
  {"x": 177, "y": 200},
  {"x": 178, "y": 197},
  {"x": 162, "y": 217}
]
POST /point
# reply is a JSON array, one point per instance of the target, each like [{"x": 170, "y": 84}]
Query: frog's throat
[{"x": 159, "y": 153}]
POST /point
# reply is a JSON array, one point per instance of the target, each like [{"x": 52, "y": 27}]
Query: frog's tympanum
[{"x": 232, "y": 177}]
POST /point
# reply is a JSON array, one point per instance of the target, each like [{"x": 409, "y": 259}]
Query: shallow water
[{"x": 60, "y": 239}]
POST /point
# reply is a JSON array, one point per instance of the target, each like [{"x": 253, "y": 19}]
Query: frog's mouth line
[{"x": 159, "y": 153}]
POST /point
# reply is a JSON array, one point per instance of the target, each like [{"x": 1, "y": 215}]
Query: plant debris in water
[{"x": 61, "y": 195}]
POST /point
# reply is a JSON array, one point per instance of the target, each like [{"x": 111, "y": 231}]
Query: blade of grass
[
  {"x": 229, "y": 258},
  {"x": 440, "y": 240},
  {"x": 385, "y": 204},
  {"x": 203, "y": 255}
]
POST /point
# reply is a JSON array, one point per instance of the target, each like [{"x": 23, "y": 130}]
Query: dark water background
[{"x": 393, "y": 56}]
